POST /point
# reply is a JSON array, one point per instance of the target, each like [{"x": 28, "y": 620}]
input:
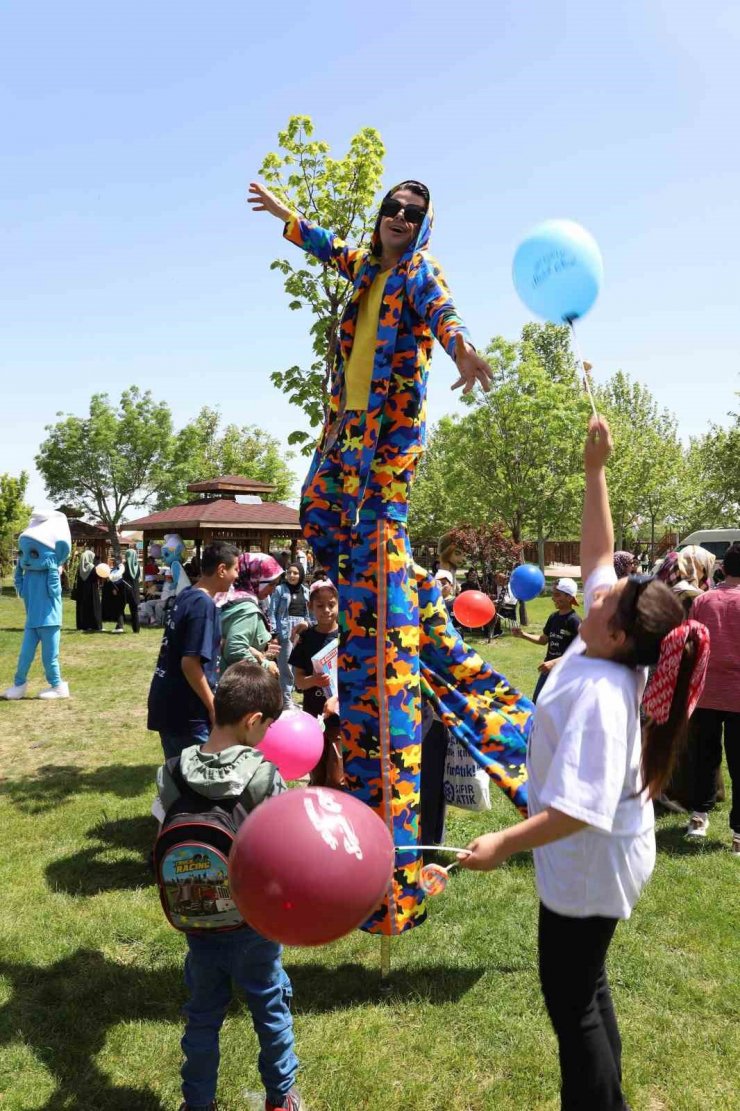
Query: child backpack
[{"x": 191, "y": 854}]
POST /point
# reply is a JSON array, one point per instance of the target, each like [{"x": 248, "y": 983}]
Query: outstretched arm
[
  {"x": 597, "y": 531},
  {"x": 492, "y": 849},
  {"x": 323, "y": 245},
  {"x": 432, "y": 300}
]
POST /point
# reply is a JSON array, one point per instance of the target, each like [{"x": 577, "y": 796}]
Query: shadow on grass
[
  {"x": 319, "y": 989},
  {"x": 88, "y": 872},
  {"x": 62, "y": 1013},
  {"x": 53, "y": 784},
  {"x": 673, "y": 841}
]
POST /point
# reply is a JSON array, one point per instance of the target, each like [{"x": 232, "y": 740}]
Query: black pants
[
  {"x": 705, "y": 756},
  {"x": 578, "y": 1000}
]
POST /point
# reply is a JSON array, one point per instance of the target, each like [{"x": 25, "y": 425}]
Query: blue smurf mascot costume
[{"x": 43, "y": 548}]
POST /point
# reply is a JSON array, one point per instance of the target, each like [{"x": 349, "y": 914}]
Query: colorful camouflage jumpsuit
[{"x": 395, "y": 637}]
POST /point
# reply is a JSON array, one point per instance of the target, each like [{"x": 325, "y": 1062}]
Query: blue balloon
[
  {"x": 526, "y": 582},
  {"x": 558, "y": 270}
]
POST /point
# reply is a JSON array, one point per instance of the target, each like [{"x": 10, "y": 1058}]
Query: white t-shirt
[{"x": 584, "y": 760}]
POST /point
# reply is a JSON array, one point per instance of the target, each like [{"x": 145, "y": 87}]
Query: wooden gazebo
[{"x": 217, "y": 515}]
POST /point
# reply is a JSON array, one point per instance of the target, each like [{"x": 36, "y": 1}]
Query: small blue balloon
[
  {"x": 526, "y": 582},
  {"x": 558, "y": 270}
]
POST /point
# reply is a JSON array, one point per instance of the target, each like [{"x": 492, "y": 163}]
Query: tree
[
  {"x": 488, "y": 547},
  {"x": 435, "y": 505},
  {"x": 516, "y": 455},
  {"x": 111, "y": 460},
  {"x": 338, "y": 194},
  {"x": 14, "y": 514},
  {"x": 645, "y": 467},
  {"x": 202, "y": 450}
]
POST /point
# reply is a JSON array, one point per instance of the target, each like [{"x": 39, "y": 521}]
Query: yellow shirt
[{"x": 359, "y": 370}]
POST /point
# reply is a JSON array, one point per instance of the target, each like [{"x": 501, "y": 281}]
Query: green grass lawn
[{"x": 91, "y": 973}]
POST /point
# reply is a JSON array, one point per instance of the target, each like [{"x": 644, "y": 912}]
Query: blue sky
[{"x": 130, "y": 133}]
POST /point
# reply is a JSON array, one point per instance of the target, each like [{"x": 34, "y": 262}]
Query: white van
[{"x": 715, "y": 540}]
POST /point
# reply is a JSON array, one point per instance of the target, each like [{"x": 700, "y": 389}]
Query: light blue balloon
[
  {"x": 526, "y": 582},
  {"x": 558, "y": 270}
]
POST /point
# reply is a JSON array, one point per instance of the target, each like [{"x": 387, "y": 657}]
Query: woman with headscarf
[
  {"x": 244, "y": 628},
  {"x": 86, "y": 593},
  {"x": 395, "y": 637},
  {"x": 289, "y": 611},
  {"x": 625, "y": 564},
  {"x": 132, "y": 576},
  {"x": 689, "y": 574}
]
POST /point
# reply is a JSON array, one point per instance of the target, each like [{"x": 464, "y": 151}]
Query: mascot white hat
[{"x": 48, "y": 529}]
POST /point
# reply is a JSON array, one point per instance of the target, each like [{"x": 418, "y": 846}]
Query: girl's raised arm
[{"x": 597, "y": 531}]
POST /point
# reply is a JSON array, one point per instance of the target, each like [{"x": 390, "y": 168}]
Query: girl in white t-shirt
[{"x": 591, "y": 781}]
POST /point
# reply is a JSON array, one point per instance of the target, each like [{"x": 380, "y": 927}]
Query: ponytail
[{"x": 669, "y": 701}]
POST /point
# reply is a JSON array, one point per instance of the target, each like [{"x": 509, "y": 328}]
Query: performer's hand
[
  {"x": 545, "y": 666},
  {"x": 332, "y": 706},
  {"x": 262, "y": 200},
  {"x": 322, "y": 680},
  {"x": 472, "y": 369},
  {"x": 517, "y": 632},
  {"x": 486, "y": 852}
]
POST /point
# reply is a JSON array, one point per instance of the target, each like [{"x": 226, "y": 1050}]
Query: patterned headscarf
[
  {"x": 669, "y": 572},
  {"x": 697, "y": 564},
  {"x": 623, "y": 564},
  {"x": 660, "y": 690},
  {"x": 254, "y": 571},
  {"x": 689, "y": 570}
]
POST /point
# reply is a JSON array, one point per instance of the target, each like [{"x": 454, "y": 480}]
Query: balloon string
[{"x": 584, "y": 372}]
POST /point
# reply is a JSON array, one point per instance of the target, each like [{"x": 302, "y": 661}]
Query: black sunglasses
[{"x": 412, "y": 213}]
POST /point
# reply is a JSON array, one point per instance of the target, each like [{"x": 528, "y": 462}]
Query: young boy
[
  {"x": 324, "y": 607},
  {"x": 247, "y": 700},
  {"x": 561, "y": 629},
  {"x": 181, "y": 694}
]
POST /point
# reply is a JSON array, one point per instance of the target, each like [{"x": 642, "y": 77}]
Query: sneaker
[
  {"x": 15, "y": 692},
  {"x": 212, "y": 1106},
  {"x": 291, "y": 1102},
  {"x": 735, "y": 847},
  {"x": 61, "y": 690},
  {"x": 698, "y": 825}
]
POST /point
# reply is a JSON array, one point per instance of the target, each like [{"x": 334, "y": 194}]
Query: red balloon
[
  {"x": 310, "y": 865},
  {"x": 473, "y": 608}
]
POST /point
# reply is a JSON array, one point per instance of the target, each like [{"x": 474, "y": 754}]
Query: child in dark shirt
[
  {"x": 180, "y": 704},
  {"x": 316, "y": 687},
  {"x": 561, "y": 629}
]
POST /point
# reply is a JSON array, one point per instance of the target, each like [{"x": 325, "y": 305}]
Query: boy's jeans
[
  {"x": 174, "y": 741},
  {"x": 253, "y": 963}
]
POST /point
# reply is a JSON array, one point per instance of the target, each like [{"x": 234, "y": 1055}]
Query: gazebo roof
[
  {"x": 219, "y": 513},
  {"x": 231, "y": 484}
]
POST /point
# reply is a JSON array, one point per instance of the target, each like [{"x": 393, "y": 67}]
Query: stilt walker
[{"x": 395, "y": 636}]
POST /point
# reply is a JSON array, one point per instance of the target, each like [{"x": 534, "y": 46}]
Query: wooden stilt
[{"x": 385, "y": 962}]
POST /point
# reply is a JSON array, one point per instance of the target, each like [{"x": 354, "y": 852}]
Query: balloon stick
[
  {"x": 584, "y": 372},
  {"x": 385, "y": 957},
  {"x": 437, "y": 848}
]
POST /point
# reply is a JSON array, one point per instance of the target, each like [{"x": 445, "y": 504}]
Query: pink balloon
[{"x": 294, "y": 743}]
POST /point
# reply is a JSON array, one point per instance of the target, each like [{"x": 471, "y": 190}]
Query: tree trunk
[
  {"x": 541, "y": 551},
  {"x": 114, "y": 541}
]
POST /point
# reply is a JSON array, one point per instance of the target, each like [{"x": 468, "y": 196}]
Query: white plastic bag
[{"x": 466, "y": 784}]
